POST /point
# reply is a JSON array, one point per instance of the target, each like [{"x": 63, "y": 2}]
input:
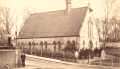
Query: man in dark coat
[{"x": 23, "y": 57}]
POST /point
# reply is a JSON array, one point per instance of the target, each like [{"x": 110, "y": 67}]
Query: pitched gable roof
[{"x": 54, "y": 23}]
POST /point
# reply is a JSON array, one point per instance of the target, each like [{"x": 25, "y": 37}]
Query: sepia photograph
[{"x": 59, "y": 34}]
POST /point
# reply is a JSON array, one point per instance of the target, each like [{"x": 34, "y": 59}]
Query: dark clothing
[{"x": 23, "y": 59}]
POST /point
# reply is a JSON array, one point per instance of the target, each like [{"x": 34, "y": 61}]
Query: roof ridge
[{"x": 58, "y": 10}]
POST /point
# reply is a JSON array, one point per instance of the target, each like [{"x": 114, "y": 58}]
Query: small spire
[
  {"x": 68, "y": 6},
  {"x": 89, "y": 7}
]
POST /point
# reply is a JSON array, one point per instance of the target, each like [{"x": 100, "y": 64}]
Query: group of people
[{"x": 89, "y": 53}]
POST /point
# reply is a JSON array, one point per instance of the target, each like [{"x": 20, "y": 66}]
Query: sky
[
  {"x": 50, "y": 5},
  {"x": 20, "y": 9}
]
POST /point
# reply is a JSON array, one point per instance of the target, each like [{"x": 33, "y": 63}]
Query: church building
[{"x": 72, "y": 25}]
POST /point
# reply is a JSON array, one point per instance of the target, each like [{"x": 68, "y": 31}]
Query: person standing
[
  {"x": 23, "y": 57},
  {"x": 76, "y": 56},
  {"x": 103, "y": 54}
]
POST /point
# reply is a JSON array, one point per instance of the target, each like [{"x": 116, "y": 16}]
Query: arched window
[
  {"x": 68, "y": 42},
  {"x": 54, "y": 43},
  {"x": 68, "y": 46},
  {"x": 59, "y": 45},
  {"x": 45, "y": 43},
  {"x": 33, "y": 46},
  {"x": 74, "y": 45},
  {"x": 83, "y": 43},
  {"x": 41, "y": 43},
  {"x": 29, "y": 43},
  {"x": 90, "y": 44},
  {"x": 30, "y": 48},
  {"x": 33, "y": 43}
]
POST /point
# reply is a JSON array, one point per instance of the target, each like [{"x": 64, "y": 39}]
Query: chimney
[{"x": 68, "y": 6}]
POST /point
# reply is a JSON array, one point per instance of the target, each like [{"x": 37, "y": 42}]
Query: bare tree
[
  {"x": 113, "y": 29},
  {"x": 108, "y": 9},
  {"x": 6, "y": 20},
  {"x": 2, "y": 23}
]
